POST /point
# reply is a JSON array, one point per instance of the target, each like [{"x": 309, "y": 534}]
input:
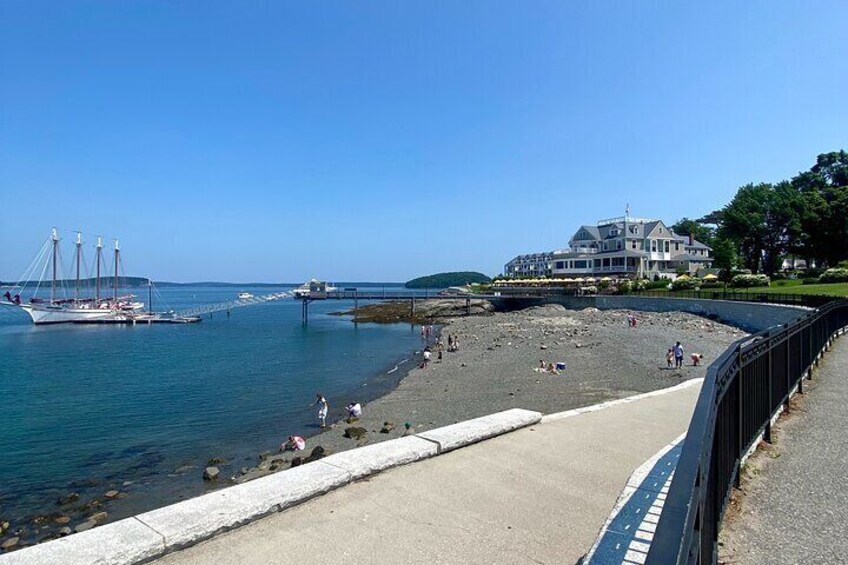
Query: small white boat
[
  {"x": 245, "y": 296},
  {"x": 312, "y": 287}
]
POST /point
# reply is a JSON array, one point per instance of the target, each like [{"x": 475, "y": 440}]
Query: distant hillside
[{"x": 444, "y": 280}]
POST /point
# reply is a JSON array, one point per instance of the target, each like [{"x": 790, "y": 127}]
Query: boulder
[
  {"x": 211, "y": 474},
  {"x": 296, "y": 462},
  {"x": 3, "y": 527},
  {"x": 264, "y": 455},
  {"x": 68, "y": 498},
  {"x": 84, "y": 526},
  {"x": 65, "y": 531},
  {"x": 62, "y": 520},
  {"x": 10, "y": 543},
  {"x": 215, "y": 461},
  {"x": 355, "y": 433},
  {"x": 98, "y": 517},
  {"x": 317, "y": 453},
  {"x": 387, "y": 427},
  {"x": 111, "y": 494}
]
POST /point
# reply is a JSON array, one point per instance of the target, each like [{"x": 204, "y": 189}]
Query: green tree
[
  {"x": 695, "y": 228},
  {"x": 824, "y": 212},
  {"x": 725, "y": 257},
  {"x": 764, "y": 222}
]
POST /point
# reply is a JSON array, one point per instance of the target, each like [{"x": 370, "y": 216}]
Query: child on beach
[
  {"x": 427, "y": 355},
  {"x": 354, "y": 410},
  {"x": 669, "y": 358},
  {"x": 295, "y": 443},
  {"x": 323, "y": 408},
  {"x": 696, "y": 359},
  {"x": 678, "y": 355}
]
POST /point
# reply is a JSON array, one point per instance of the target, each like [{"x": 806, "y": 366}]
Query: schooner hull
[{"x": 47, "y": 315}]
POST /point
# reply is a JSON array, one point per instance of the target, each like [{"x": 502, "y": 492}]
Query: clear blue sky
[{"x": 276, "y": 141}]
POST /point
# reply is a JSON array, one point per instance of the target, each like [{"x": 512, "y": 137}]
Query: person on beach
[
  {"x": 450, "y": 342},
  {"x": 552, "y": 370},
  {"x": 678, "y": 355},
  {"x": 427, "y": 355},
  {"x": 630, "y": 320},
  {"x": 294, "y": 443},
  {"x": 439, "y": 356},
  {"x": 407, "y": 429},
  {"x": 323, "y": 408},
  {"x": 669, "y": 358},
  {"x": 696, "y": 359},
  {"x": 354, "y": 410},
  {"x": 541, "y": 363}
]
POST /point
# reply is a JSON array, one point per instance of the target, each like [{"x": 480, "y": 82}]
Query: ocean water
[{"x": 88, "y": 407}]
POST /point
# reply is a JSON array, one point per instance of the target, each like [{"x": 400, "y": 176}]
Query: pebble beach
[{"x": 496, "y": 368}]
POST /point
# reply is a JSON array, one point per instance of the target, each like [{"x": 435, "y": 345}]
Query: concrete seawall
[{"x": 749, "y": 316}]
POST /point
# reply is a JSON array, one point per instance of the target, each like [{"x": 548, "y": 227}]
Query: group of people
[
  {"x": 297, "y": 443},
  {"x": 453, "y": 342},
  {"x": 548, "y": 367},
  {"x": 674, "y": 357}
]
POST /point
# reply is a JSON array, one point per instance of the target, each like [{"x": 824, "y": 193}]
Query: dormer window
[{"x": 634, "y": 229}]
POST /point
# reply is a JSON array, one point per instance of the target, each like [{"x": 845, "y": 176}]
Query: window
[
  {"x": 634, "y": 229},
  {"x": 677, "y": 246},
  {"x": 667, "y": 246},
  {"x": 654, "y": 245},
  {"x": 618, "y": 244},
  {"x": 633, "y": 244},
  {"x": 605, "y": 246},
  {"x": 660, "y": 229},
  {"x": 560, "y": 264},
  {"x": 580, "y": 264}
]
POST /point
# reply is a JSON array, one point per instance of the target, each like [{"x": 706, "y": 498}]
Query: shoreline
[{"x": 495, "y": 369}]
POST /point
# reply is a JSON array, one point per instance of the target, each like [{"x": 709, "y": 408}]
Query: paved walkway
[
  {"x": 538, "y": 495},
  {"x": 795, "y": 509}
]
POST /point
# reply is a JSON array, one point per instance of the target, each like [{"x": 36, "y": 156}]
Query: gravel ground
[
  {"x": 494, "y": 368},
  {"x": 794, "y": 503}
]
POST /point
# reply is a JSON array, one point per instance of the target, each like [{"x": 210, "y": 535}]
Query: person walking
[
  {"x": 323, "y": 408},
  {"x": 678, "y": 355},
  {"x": 427, "y": 355}
]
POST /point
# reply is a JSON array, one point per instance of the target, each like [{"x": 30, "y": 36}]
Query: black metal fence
[
  {"x": 742, "y": 390},
  {"x": 808, "y": 300}
]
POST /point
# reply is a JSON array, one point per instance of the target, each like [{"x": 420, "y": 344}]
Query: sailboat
[{"x": 99, "y": 308}]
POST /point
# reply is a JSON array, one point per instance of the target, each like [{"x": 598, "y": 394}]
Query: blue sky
[{"x": 276, "y": 141}]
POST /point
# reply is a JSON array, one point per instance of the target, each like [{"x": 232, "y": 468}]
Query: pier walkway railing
[
  {"x": 792, "y": 299},
  {"x": 743, "y": 391}
]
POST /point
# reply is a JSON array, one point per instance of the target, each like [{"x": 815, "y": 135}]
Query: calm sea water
[{"x": 86, "y": 407}]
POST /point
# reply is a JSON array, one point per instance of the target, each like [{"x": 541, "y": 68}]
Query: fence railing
[
  {"x": 808, "y": 300},
  {"x": 743, "y": 389}
]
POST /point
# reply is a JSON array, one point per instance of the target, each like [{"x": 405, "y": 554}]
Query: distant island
[{"x": 444, "y": 280}]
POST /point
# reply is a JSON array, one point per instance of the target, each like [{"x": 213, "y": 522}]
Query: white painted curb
[
  {"x": 610, "y": 403},
  {"x": 478, "y": 429},
  {"x": 372, "y": 459},
  {"x": 125, "y": 541}
]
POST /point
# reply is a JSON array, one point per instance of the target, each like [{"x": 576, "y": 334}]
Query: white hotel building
[{"x": 621, "y": 247}]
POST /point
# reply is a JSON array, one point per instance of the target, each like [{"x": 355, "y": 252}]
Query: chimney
[{"x": 691, "y": 239}]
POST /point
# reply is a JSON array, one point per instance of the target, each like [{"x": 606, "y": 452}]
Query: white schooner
[{"x": 79, "y": 309}]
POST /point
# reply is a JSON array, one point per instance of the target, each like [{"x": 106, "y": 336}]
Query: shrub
[
  {"x": 810, "y": 281},
  {"x": 747, "y": 281},
  {"x": 659, "y": 283},
  {"x": 685, "y": 283},
  {"x": 834, "y": 276},
  {"x": 710, "y": 283}
]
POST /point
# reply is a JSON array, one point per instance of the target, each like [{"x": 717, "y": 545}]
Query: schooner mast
[
  {"x": 55, "y": 237},
  {"x": 79, "y": 254},
  {"x": 97, "y": 280},
  {"x": 117, "y": 253}
]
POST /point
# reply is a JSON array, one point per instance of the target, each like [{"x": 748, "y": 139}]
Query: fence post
[
  {"x": 767, "y": 433},
  {"x": 738, "y": 480}
]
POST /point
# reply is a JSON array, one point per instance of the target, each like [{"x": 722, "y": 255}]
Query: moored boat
[{"x": 79, "y": 309}]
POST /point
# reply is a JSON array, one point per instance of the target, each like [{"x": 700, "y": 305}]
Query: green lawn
[
  {"x": 795, "y": 287},
  {"x": 780, "y": 287}
]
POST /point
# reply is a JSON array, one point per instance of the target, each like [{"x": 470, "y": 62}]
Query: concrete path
[
  {"x": 795, "y": 508},
  {"x": 537, "y": 495}
]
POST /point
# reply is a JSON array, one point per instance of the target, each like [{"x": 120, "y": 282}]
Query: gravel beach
[{"x": 496, "y": 369}]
